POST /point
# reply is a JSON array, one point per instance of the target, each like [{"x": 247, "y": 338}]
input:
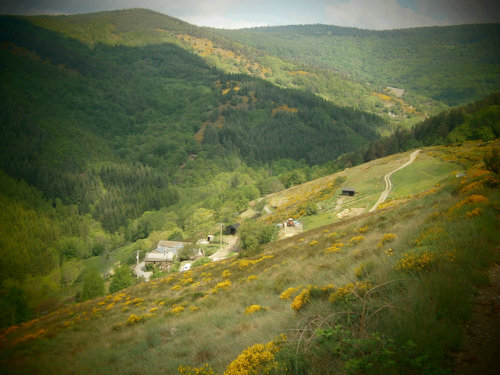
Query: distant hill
[{"x": 452, "y": 64}]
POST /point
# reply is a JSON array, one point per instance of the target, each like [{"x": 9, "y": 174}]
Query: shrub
[
  {"x": 301, "y": 300},
  {"x": 256, "y": 359},
  {"x": 254, "y": 308},
  {"x": 93, "y": 285},
  {"x": 121, "y": 279},
  {"x": 415, "y": 262},
  {"x": 388, "y": 237}
]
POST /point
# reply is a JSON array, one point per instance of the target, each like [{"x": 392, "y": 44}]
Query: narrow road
[
  {"x": 388, "y": 183},
  {"x": 224, "y": 252}
]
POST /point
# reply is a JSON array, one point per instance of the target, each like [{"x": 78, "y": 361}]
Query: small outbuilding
[
  {"x": 348, "y": 191},
  {"x": 232, "y": 229}
]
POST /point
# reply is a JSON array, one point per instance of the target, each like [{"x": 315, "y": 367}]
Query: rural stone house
[{"x": 165, "y": 254}]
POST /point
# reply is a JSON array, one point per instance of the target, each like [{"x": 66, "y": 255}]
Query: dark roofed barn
[
  {"x": 348, "y": 191},
  {"x": 231, "y": 229}
]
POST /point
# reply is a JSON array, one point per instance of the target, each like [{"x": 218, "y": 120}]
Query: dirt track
[{"x": 388, "y": 183}]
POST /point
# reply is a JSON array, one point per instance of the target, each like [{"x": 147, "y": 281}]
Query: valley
[{"x": 334, "y": 192}]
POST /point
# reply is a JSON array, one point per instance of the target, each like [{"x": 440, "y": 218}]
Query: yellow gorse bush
[
  {"x": 360, "y": 288},
  {"x": 301, "y": 299},
  {"x": 388, "y": 237},
  {"x": 252, "y": 277},
  {"x": 475, "y": 212},
  {"x": 289, "y": 292},
  {"x": 226, "y": 274},
  {"x": 471, "y": 199},
  {"x": 254, "y": 308},
  {"x": 244, "y": 263},
  {"x": 133, "y": 319},
  {"x": 187, "y": 281},
  {"x": 221, "y": 286},
  {"x": 177, "y": 309},
  {"x": 334, "y": 248},
  {"x": 415, "y": 262},
  {"x": 203, "y": 370},
  {"x": 256, "y": 359}
]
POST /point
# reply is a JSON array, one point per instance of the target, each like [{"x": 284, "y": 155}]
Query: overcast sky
[{"x": 368, "y": 14}]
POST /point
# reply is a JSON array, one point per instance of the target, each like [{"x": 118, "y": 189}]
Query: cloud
[
  {"x": 389, "y": 14},
  {"x": 222, "y": 22}
]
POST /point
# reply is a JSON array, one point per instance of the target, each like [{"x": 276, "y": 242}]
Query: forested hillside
[
  {"x": 452, "y": 64},
  {"x": 114, "y": 142}
]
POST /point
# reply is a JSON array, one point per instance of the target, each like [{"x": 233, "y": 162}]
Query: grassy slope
[{"x": 94, "y": 337}]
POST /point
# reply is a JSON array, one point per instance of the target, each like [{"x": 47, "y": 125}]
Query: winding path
[{"x": 388, "y": 183}]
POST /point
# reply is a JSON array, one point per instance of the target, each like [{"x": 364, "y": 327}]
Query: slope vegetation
[{"x": 383, "y": 292}]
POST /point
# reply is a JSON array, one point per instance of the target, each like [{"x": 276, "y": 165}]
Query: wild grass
[{"x": 384, "y": 318}]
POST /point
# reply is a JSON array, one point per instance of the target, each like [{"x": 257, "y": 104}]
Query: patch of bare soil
[{"x": 480, "y": 353}]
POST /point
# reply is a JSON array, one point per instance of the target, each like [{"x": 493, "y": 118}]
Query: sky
[{"x": 232, "y": 14}]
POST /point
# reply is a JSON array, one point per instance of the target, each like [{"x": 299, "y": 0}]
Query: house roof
[
  {"x": 348, "y": 189},
  {"x": 165, "y": 247}
]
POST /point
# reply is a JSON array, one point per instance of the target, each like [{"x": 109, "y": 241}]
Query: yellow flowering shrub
[
  {"x": 388, "y": 237},
  {"x": 119, "y": 297},
  {"x": 153, "y": 310},
  {"x": 110, "y": 306},
  {"x": 177, "y": 309},
  {"x": 471, "y": 199},
  {"x": 312, "y": 243},
  {"x": 244, "y": 263},
  {"x": 360, "y": 288},
  {"x": 289, "y": 292},
  {"x": 334, "y": 248},
  {"x": 187, "y": 281},
  {"x": 301, "y": 299},
  {"x": 475, "y": 212},
  {"x": 176, "y": 287},
  {"x": 362, "y": 230},
  {"x": 327, "y": 288},
  {"x": 254, "y": 308},
  {"x": 389, "y": 252},
  {"x": 203, "y": 370},
  {"x": 415, "y": 262},
  {"x": 221, "y": 286},
  {"x": 251, "y": 278},
  {"x": 256, "y": 359},
  {"x": 226, "y": 274},
  {"x": 133, "y": 319}
]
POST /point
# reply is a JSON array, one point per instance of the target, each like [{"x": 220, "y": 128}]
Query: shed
[
  {"x": 231, "y": 229},
  {"x": 348, "y": 191}
]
